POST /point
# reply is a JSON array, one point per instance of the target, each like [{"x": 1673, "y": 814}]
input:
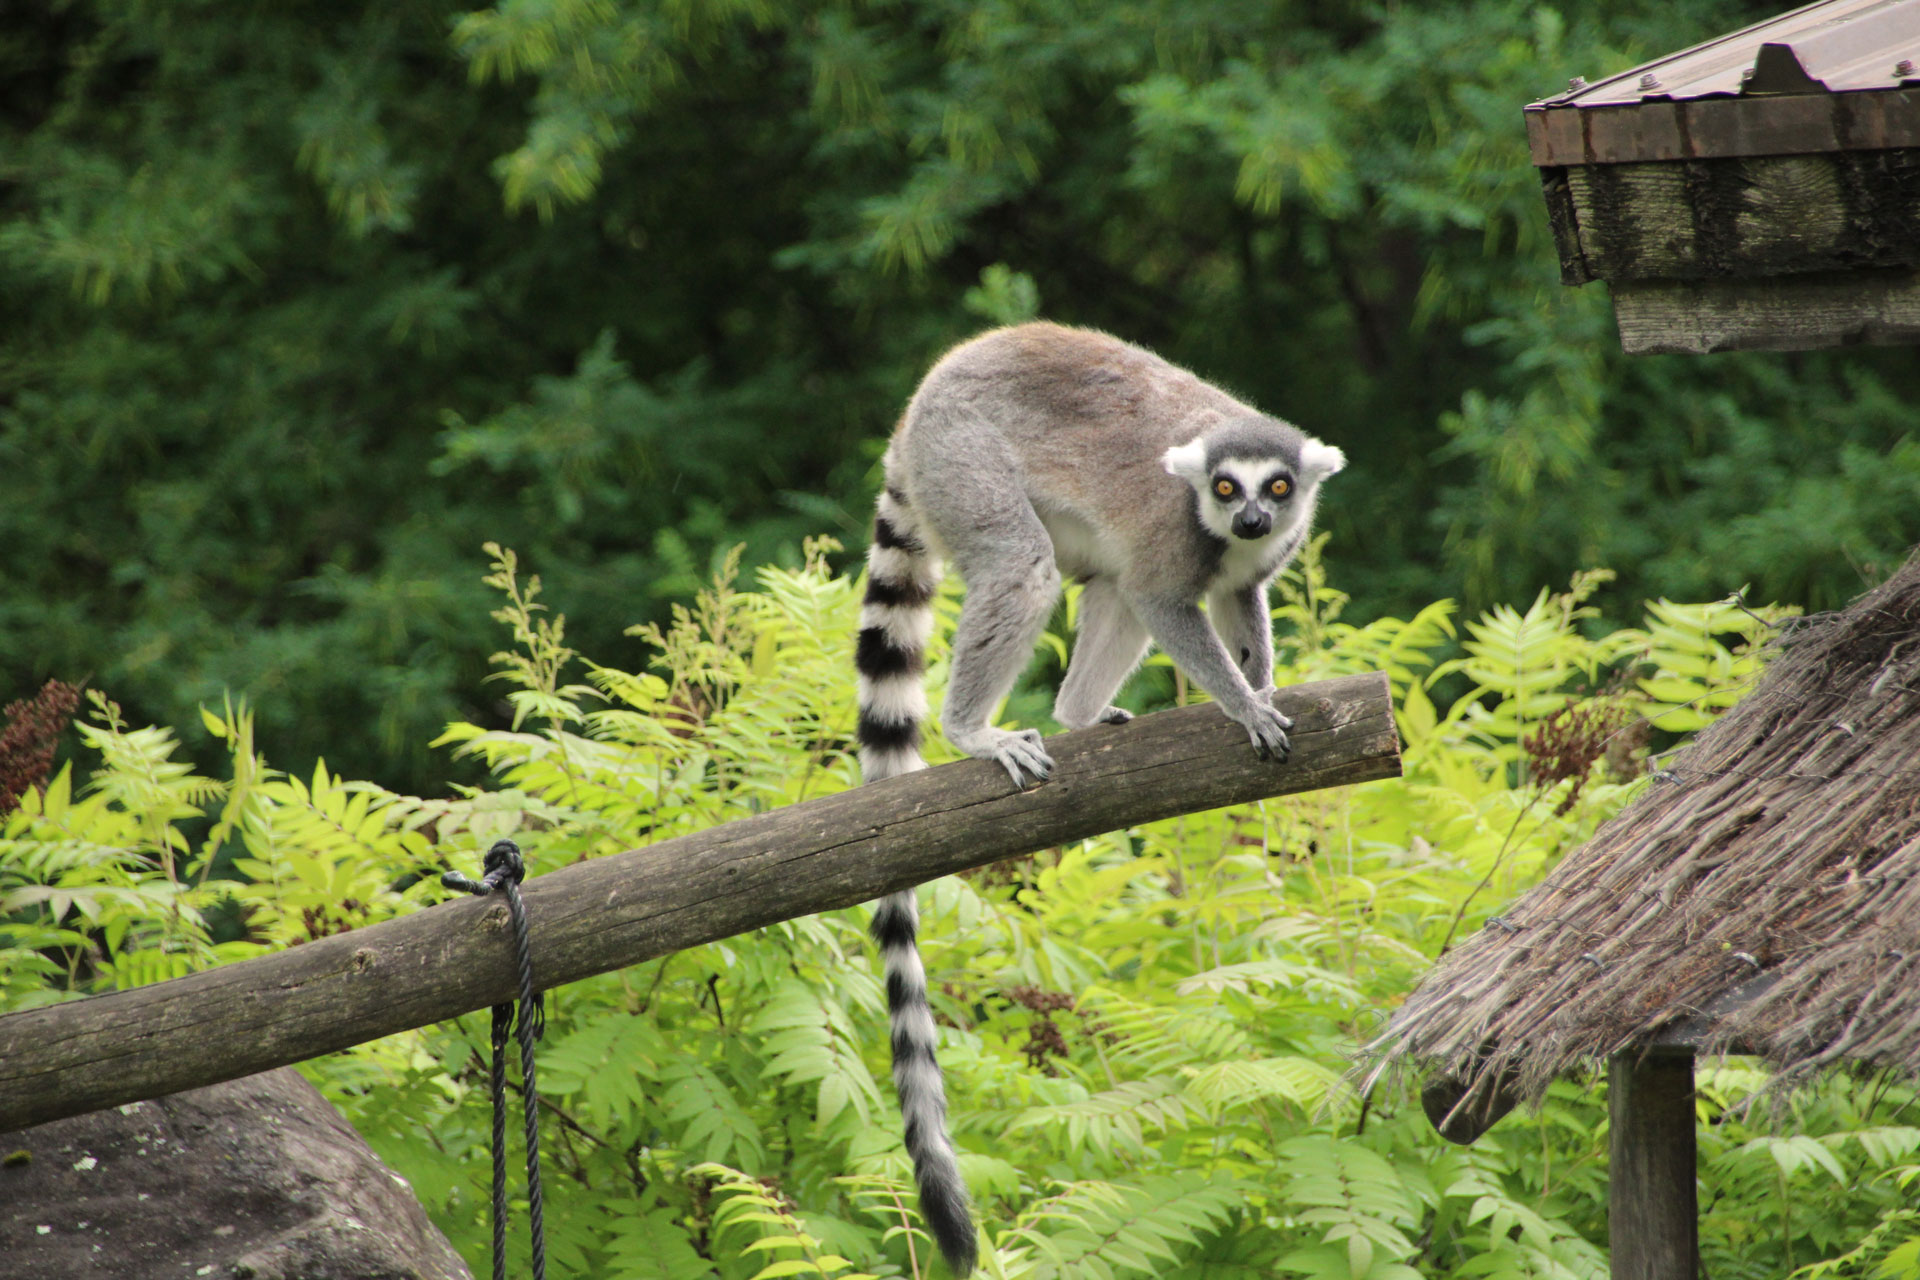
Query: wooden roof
[
  {"x": 1759, "y": 190},
  {"x": 1838, "y": 75}
]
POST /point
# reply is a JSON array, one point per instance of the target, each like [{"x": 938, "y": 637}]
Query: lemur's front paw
[
  {"x": 1268, "y": 730},
  {"x": 1114, "y": 715},
  {"x": 1018, "y": 752}
]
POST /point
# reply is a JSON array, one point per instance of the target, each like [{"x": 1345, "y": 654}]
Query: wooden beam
[
  {"x": 1715, "y": 128},
  {"x": 1652, "y": 1200},
  {"x": 595, "y": 916},
  {"x": 1702, "y": 1031},
  {"x": 1787, "y": 313},
  {"x": 1762, "y": 217},
  {"x": 1462, "y": 1119}
]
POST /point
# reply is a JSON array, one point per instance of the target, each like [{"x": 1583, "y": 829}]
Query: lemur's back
[
  {"x": 1040, "y": 379},
  {"x": 1086, "y": 417}
]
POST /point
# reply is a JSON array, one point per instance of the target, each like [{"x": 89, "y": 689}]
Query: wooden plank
[
  {"x": 1737, "y": 219},
  {"x": 1790, "y": 313},
  {"x": 595, "y": 916},
  {"x": 1723, "y": 127},
  {"x": 1652, "y": 1196},
  {"x": 1792, "y": 211},
  {"x": 1635, "y": 220}
]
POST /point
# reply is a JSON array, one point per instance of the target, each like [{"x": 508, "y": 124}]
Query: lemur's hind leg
[
  {"x": 1007, "y": 603},
  {"x": 1107, "y": 645},
  {"x": 995, "y": 540}
]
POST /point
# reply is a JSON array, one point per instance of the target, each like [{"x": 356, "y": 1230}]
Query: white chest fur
[{"x": 1245, "y": 562}]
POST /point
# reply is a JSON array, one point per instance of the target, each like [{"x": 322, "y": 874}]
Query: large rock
[{"x": 256, "y": 1179}]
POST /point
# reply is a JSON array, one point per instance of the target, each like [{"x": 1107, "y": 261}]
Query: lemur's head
[{"x": 1254, "y": 476}]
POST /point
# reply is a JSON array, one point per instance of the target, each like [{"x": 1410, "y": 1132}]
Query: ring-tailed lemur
[{"x": 1029, "y": 453}]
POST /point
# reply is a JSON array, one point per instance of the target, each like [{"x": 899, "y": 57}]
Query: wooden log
[
  {"x": 1652, "y": 1201},
  {"x": 595, "y": 916}
]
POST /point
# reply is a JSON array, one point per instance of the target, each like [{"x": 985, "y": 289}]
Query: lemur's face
[
  {"x": 1250, "y": 493},
  {"x": 1249, "y": 497}
]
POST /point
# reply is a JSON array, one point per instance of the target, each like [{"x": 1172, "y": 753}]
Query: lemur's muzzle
[{"x": 1251, "y": 522}]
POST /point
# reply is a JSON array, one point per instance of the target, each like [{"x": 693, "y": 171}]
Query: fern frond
[
  {"x": 746, "y": 1206},
  {"x": 1224, "y": 1086},
  {"x": 656, "y": 1246},
  {"x": 810, "y": 1039},
  {"x": 1352, "y": 1196},
  {"x": 1146, "y": 1040},
  {"x": 1119, "y": 1117},
  {"x": 1106, "y": 1230}
]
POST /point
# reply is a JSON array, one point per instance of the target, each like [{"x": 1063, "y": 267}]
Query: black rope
[{"x": 505, "y": 869}]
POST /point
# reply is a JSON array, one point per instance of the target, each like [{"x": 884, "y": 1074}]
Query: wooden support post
[
  {"x": 595, "y": 916},
  {"x": 1653, "y": 1206}
]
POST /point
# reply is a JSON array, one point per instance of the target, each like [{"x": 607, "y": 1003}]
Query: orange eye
[
  {"x": 1281, "y": 488},
  {"x": 1223, "y": 487}
]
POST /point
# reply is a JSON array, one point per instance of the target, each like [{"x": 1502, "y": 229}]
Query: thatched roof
[{"x": 1762, "y": 895}]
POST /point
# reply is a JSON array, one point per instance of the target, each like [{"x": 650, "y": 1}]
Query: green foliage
[
  {"x": 1144, "y": 1034},
  {"x": 308, "y": 300}
]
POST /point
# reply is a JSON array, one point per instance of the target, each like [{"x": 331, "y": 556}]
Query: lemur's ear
[
  {"x": 1318, "y": 461},
  {"x": 1188, "y": 461}
]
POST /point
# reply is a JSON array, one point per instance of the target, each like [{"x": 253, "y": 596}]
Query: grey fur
[
  {"x": 1109, "y": 644},
  {"x": 1027, "y": 455},
  {"x": 1040, "y": 451}
]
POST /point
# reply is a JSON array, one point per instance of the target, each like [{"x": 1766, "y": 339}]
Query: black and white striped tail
[{"x": 895, "y": 621}]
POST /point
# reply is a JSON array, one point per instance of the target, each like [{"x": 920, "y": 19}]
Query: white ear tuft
[
  {"x": 1187, "y": 461},
  {"x": 1318, "y": 461}
]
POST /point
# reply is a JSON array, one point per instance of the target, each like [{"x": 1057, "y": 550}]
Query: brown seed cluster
[
  {"x": 33, "y": 729},
  {"x": 322, "y": 922},
  {"x": 1044, "y": 1038},
  {"x": 1573, "y": 739}
]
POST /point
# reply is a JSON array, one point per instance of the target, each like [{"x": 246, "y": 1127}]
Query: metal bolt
[
  {"x": 1746, "y": 74},
  {"x": 1903, "y": 68},
  {"x": 1576, "y": 84},
  {"x": 1649, "y": 81}
]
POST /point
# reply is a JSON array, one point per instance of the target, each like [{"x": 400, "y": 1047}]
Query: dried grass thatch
[{"x": 1764, "y": 892}]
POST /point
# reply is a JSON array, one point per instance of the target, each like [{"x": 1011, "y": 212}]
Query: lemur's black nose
[{"x": 1251, "y": 522}]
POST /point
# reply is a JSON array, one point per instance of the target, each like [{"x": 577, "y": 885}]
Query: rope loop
[
  {"x": 503, "y": 863},
  {"x": 504, "y": 870}
]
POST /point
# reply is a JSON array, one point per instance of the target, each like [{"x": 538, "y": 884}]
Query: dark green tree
[{"x": 306, "y": 301}]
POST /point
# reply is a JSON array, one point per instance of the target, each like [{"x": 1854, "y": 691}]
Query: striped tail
[{"x": 895, "y": 622}]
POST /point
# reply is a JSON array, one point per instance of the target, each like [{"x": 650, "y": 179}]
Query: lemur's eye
[
  {"x": 1224, "y": 487},
  {"x": 1280, "y": 488}
]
